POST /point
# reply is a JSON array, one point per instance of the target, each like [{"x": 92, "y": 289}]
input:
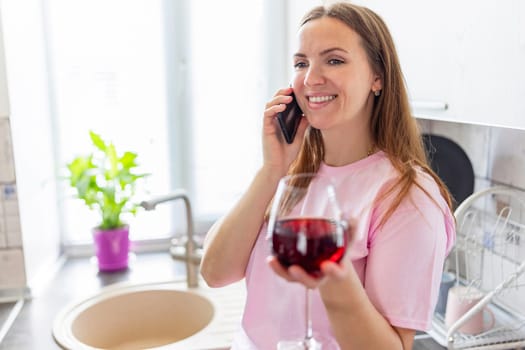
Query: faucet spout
[
  {"x": 152, "y": 203},
  {"x": 192, "y": 272}
]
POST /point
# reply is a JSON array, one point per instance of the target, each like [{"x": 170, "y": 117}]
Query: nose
[{"x": 314, "y": 76}]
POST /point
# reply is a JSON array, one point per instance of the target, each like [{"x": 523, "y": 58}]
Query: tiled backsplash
[
  {"x": 10, "y": 217},
  {"x": 498, "y": 158},
  {"x": 12, "y": 268},
  {"x": 497, "y": 154}
]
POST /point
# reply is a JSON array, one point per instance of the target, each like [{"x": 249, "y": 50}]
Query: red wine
[{"x": 308, "y": 242}]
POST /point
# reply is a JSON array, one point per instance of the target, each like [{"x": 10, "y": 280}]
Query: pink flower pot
[{"x": 112, "y": 248}]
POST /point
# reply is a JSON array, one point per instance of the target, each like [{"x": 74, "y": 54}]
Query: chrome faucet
[{"x": 189, "y": 252}]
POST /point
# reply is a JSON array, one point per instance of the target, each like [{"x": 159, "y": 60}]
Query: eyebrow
[{"x": 324, "y": 52}]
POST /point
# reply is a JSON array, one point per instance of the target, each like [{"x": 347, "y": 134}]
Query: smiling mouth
[{"x": 320, "y": 99}]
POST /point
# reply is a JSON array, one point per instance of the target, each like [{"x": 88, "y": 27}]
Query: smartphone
[{"x": 289, "y": 119}]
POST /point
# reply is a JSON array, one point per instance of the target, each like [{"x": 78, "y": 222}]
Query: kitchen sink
[{"x": 164, "y": 315}]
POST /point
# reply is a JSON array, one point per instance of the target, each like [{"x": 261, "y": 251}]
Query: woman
[{"x": 357, "y": 125}]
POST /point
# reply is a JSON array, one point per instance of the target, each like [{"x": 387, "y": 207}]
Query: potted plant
[{"x": 106, "y": 182}]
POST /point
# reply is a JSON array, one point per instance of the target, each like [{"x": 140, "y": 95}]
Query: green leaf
[
  {"x": 105, "y": 181},
  {"x": 128, "y": 160},
  {"x": 97, "y": 141}
]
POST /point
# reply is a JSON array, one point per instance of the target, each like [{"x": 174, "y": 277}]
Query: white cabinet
[
  {"x": 468, "y": 54},
  {"x": 493, "y": 80}
]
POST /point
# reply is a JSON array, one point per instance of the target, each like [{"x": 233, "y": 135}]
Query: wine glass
[{"x": 306, "y": 228}]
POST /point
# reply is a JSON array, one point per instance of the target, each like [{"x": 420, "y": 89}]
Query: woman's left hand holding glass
[{"x": 332, "y": 272}]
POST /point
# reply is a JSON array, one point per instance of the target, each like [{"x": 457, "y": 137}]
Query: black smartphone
[{"x": 289, "y": 119}]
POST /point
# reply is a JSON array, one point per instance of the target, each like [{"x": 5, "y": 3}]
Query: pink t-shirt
[{"x": 399, "y": 263}]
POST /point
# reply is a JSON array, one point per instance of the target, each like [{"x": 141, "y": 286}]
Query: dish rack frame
[{"x": 489, "y": 254}]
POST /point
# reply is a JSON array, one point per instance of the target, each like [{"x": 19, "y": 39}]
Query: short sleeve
[{"x": 405, "y": 261}]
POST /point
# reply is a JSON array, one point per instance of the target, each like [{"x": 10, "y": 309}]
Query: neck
[{"x": 343, "y": 147}]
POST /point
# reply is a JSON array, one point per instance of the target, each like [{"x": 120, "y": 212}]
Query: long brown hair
[{"x": 392, "y": 126}]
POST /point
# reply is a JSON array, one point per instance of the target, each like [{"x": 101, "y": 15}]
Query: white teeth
[{"x": 319, "y": 99}]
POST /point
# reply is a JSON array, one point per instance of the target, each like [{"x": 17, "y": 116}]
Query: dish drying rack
[{"x": 489, "y": 254}]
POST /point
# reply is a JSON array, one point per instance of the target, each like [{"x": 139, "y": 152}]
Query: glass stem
[{"x": 308, "y": 314}]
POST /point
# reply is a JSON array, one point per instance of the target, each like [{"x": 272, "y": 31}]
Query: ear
[{"x": 377, "y": 84}]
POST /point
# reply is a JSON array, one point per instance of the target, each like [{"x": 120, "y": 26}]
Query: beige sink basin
[{"x": 165, "y": 315}]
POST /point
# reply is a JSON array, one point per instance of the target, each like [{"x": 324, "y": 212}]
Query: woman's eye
[
  {"x": 298, "y": 65},
  {"x": 335, "y": 61}
]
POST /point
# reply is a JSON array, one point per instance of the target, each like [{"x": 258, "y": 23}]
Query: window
[
  {"x": 182, "y": 83},
  {"x": 228, "y": 74}
]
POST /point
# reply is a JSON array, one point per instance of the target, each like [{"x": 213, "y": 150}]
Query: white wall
[
  {"x": 31, "y": 133},
  {"x": 4, "y": 102}
]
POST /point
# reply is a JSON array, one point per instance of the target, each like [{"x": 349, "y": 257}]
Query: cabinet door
[{"x": 492, "y": 87}]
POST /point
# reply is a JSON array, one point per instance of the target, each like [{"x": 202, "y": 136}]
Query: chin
[{"x": 319, "y": 124}]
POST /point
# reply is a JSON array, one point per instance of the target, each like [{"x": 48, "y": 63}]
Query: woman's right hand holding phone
[{"x": 277, "y": 154}]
